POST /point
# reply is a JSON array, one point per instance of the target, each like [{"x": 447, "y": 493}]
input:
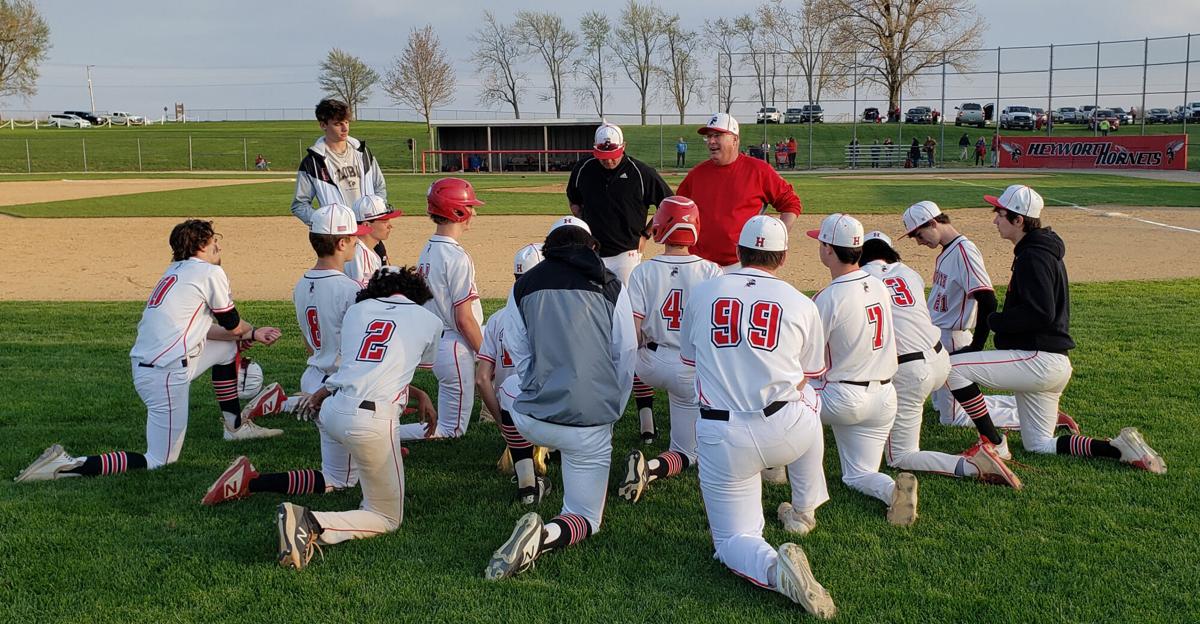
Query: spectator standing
[
  {"x": 964, "y": 144},
  {"x": 875, "y": 154},
  {"x": 680, "y": 152},
  {"x": 791, "y": 151},
  {"x": 914, "y": 153},
  {"x": 930, "y": 148},
  {"x": 996, "y": 150},
  {"x": 980, "y": 151}
]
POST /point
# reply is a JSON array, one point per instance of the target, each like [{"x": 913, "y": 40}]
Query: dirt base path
[
  {"x": 32, "y": 192},
  {"x": 121, "y": 259}
]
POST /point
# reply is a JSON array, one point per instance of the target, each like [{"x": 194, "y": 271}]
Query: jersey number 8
[
  {"x": 764, "y": 319},
  {"x": 375, "y": 343},
  {"x": 314, "y": 326}
]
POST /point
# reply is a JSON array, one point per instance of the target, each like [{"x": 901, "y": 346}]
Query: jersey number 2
[
  {"x": 375, "y": 343},
  {"x": 875, "y": 319},
  {"x": 764, "y": 324},
  {"x": 672, "y": 309},
  {"x": 314, "y": 326}
]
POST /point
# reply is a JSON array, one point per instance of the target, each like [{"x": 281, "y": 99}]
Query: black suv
[{"x": 90, "y": 117}]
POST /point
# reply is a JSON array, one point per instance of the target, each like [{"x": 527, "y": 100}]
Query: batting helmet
[
  {"x": 451, "y": 198},
  {"x": 676, "y": 222}
]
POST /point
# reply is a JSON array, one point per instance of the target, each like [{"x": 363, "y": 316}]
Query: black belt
[
  {"x": 865, "y": 383},
  {"x": 653, "y": 346},
  {"x": 367, "y": 405},
  {"x": 919, "y": 355},
  {"x": 182, "y": 363},
  {"x": 712, "y": 414}
]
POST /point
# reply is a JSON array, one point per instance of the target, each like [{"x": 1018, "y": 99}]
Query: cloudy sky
[{"x": 259, "y": 58}]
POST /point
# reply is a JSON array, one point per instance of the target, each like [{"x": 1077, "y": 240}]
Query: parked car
[
  {"x": 969, "y": 113},
  {"x": 118, "y": 118},
  {"x": 1085, "y": 113},
  {"x": 870, "y": 114},
  {"x": 1124, "y": 117},
  {"x": 1016, "y": 117},
  {"x": 791, "y": 115},
  {"x": 1193, "y": 111},
  {"x": 1065, "y": 114},
  {"x": 1039, "y": 116},
  {"x": 1101, "y": 114},
  {"x": 919, "y": 115},
  {"x": 91, "y": 117},
  {"x": 1158, "y": 115},
  {"x": 62, "y": 120},
  {"x": 769, "y": 114},
  {"x": 813, "y": 112}
]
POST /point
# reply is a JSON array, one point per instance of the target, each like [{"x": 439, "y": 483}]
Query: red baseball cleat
[
  {"x": 269, "y": 401},
  {"x": 233, "y": 484}
]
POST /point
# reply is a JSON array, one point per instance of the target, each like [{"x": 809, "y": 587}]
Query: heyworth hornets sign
[{"x": 1167, "y": 151}]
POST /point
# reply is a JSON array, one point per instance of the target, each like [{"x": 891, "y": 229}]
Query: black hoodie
[{"x": 1036, "y": 314}]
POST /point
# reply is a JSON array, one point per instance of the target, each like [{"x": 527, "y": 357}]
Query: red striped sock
[
  {"x": 114, "y": 463},
  {"x": 641, "y": 390},
  {"x": 1083, "y": 446},
  {"x": 304, "y": 481},
  {"x": 508, "y": 431},
  {"x": 573, "y": 528},
  {"x": 975, "y": 408},
  {"x": 225, "y": 390},
  {"x": 667, "y": 464}
]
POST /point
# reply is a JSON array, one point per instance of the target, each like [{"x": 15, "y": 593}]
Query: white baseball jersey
[
  {"x": 179, "y": 312},
  {"x": 752, "y": 338},
  {"x": 658, "y": 293},
  {"x": 493, "y": 349},
  {"x": 856, "y": 311},
  {"x": 383, "y": 342},
  {"x": 959, "y": 271},
  {"x": 451, "y": 277},
  {"x": 364, "y": 264},
  {"x": 321, "y": 298},
  {"x": 914, "y": 329}
]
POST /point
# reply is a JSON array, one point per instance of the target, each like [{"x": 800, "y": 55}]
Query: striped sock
[
  {"x": 115, "y": 462},
  {"x": 290, "y": 482},
  {"x": 1083, "y": 446},
  {"x": 564, "y": 530},
  {"x": 512, "y": 437},
  {"x": 667, "y": 464},
  {"x": 224, "y": 383},
  {"x": 973, "y": 403}
]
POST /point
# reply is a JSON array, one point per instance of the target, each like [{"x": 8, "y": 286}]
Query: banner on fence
[{"x": 1164, "y": 151}]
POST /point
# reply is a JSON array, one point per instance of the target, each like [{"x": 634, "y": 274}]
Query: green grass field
[{"x": 1087, "y": 540}]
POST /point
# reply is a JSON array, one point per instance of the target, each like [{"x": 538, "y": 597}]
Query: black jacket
[
  {"x": 1037, "y": 306},
  {"x": 616, "y": 201}
]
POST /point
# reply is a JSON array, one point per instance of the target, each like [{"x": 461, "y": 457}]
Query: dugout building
[{"x": 506, "y": 145}]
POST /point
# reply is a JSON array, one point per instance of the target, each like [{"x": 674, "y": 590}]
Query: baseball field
[{"x": 1084, "y": 541}]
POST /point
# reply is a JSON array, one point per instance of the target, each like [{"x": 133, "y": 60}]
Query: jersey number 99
[
  {"x": 763, "y": 322},
  {"x": 375, "y": 343}
]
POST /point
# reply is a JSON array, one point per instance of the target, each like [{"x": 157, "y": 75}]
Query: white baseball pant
[
  {"x": 454, "y": 368},
  {"x": 165, "y": 391},
  {"x": 861, "y": 419},
  {"x": 661, "y": 369},
  {"x": 732, "y": 454},
  {"x": 622, "y": 264},
  {"x": 586, "y": 453},
  {"x": 337, "y": 466},
  {"x": 1037, "y": 379},
  {"x": 1002, "y": 407},
  {"x": 371, "y": 436},
  {"x": 914, "y": 380}
]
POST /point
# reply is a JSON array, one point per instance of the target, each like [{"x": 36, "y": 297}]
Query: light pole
[{"x": 91, "y": 96}]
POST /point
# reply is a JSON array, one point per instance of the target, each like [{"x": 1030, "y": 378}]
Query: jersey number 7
[
  {"x": 763, "y": 320},
  {"x": 375, "y": 343}
]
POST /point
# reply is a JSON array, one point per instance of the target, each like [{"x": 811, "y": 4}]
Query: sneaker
[
  {"x": 794, "y": 579},
  {"x": 1135, "y": 451},
  {"x": 903, "y": 510},
  {"x": 990, "y": 468},
  {"x": 794, "y": 521},
  {"x": 269, "y": 401},
  {"x": 50, "y": 465},
  {"x": 776, "y": 475},
  {"x": 298, "y": 533},
  {"x": 533, "y": 494},
  {"x": 540, "y": 455},
  {"x": 519, "y": 552},
  {"x": 1065, "y": 420},
  {"x": 505, "y": 463},
  {"x": 248, "y": 431},
  {"x": 233, "y": 484},
  {"x": 636, "y": 479}
]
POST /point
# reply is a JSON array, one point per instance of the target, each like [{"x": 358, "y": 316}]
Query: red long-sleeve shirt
[{"x": 728, "y": 197}]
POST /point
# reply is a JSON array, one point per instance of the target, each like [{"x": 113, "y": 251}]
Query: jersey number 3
[
  {"x": 901, "y": 295},
  {"x": 314, "y": 326},
  {"x": 375, "y": 343},
  {"x": 764, "y": 319}
]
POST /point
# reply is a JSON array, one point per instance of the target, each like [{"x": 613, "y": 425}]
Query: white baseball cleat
[
  {"x": 233, "y": 484},
  {"x": 794, "y": 579},
  {"x": 794, "y": 521},
  {"x": 989, "y": 467},
  {"x": 1135, "y": 451},
  {"x": 50, "y": 465},
  {"x": 903, "y": 510},
  {"x": 298, "y": 533},
  {"x": 636, "y": 479},
  {"x": 777, "y": 475},
  {"x": 269, "y": 401},
  {"x": 519, "y": 552},
  {"x": 248, "y": 431}
]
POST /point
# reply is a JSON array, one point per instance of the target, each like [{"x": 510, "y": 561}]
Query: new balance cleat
[
  {"x": 794, "y": 579},
  {"x": 269, "y": 401},
  {"x": 1001, "y": 449},
  {"x": 248, "y": 431},
  {"x": 636, "y": 477},
  {"x": 1135, "y": 451},
  {"x": 50, "y": 465},
  {"x": 233, "y": 484},
  {"x": 989, "y": 467},
  {"x": 298, "y": 533},
  {"x": 648, "y": 438},
  {"x": 794, "y": 521},
  {"x": 520, "y": 551},
  {"x": 533, "y": 494},
  {"x": 903, "y": 510},
  {"x": 1065, "y": 421}
]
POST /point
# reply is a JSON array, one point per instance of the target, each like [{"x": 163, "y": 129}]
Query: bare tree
[
  {"x": 497, "y": 55},
  {"x": 546, "y": 34},
  {"x": 907, "y": 36},
  {"x": 595, "y": 29},
  {"x": 421, "y": 77},
  {"x": 813, "y": 38},
  {"x": 679, "y": 70},
  {"x": 721, "y": 36},
  {"x": 754, "y": 40},
  {"x": 347, "y": 78},
  {"x": 24, "y": 42},
  {"x": 639, "y": 37}
]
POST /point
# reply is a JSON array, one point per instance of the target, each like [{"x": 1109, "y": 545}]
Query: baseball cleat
[
  {"x": 540, "y": 455},
  {"x": 533, "y": 494},
  {"x": 269, "y": 401},
  {"x": 636, "y": 479},
  {"x": 505, "y": 463},
  {"x": 794, "y": 521},
  {"x": 50, "y": 465},
  {"x": 1001, "y": 449},
  {"x": 903, "y": 510},
  {"x": 1065, "y": 420},
  {"x": 1135, "y": 451},
  {"x": 794, "y": 579},
  {"x": 989, "y": 466},
  {"x": 777, "y": 475},
  {"x": 233, "y": 484},
  {"x": 248, "y": 431},
  {"x": 298, "y": 533},
  {"x": 519, "y": 552}
]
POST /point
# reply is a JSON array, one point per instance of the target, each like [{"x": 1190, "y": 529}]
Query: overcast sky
[{"x": 239, "y": 54}]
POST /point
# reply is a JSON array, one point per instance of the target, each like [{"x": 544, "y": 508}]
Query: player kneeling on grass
[
  {"x": 188, "y": 326},
  {"x": 385, "y": 336},
  {"x": 752, "y": 341},
  {"x": 1032, "y": 338},
  {"x": 923, "y": 364},
  {"x": 570, "y": 335},
  {"x": 658, "y": 293}
]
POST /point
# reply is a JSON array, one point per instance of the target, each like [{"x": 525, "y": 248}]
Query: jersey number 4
[
  {"x": 314, "y": 326},
  {"x": 901, "y": 295},
  {"x": 375, "y": 343},
  {"x": 161, "y": 290},
  {"x": 763, "y": 321},
  {"x": 672, "y": 309}
]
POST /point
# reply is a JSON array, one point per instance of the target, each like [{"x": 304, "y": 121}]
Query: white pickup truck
[{"x": 118, "y": 118}]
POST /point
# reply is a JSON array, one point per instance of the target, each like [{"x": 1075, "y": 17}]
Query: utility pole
[{"x": 91, "y": 96}]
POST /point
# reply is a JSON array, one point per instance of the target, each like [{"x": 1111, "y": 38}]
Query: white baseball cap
[
  {"x": 764, "y": 232},
  {"x": 610, "y": 141},
  {"x": 1020, "y": 199},
  {"x": 337, "y": 220},
  {"x": 373, "y": 208},
  {"x": 720, "y": 122},
  {"x": 575, "y": 221},
  {"x": 919, "y": 214},
  {"x": 527, "y": 257},
  {"x": 877, "y": 235},
  {"x": 839, "y": 230}
]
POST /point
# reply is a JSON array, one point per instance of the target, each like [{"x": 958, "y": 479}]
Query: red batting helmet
[
  {"x": 676, "y": 222},
  {"x": 451, "y": 198}
]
